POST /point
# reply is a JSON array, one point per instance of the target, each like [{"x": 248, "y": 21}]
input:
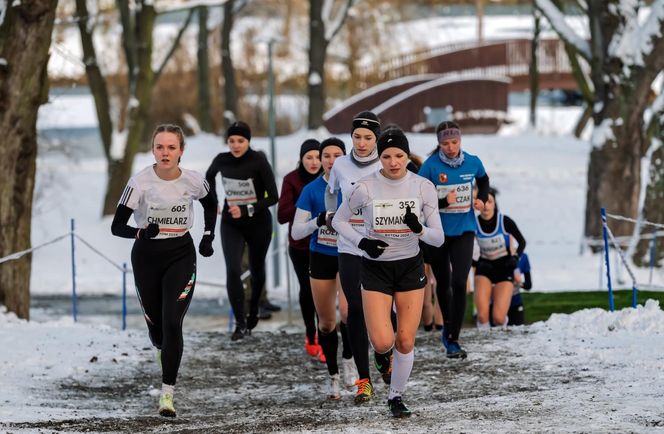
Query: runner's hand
[
  {"x": 328, "y": 220},
  {"x": 320, "y": 220},
  {"x": 205, "y": 246},
  {"x": 150, "y": 232},
  {"x": 374, "y": 248},
  {"x": 235, "y": 211},
  {"x": 412, "y": 222},
  {"x": 478, "y": 205}
]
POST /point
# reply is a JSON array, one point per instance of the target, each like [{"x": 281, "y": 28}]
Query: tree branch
[
  {"x": 560, "y": 26},
  {"x": 128, "y": 40},
  {"x": 332, "y": 27},
  {"x": 96, "y": 80},
  {"x": 636, "y": 41},
  {"x": 176, "y": 42}
]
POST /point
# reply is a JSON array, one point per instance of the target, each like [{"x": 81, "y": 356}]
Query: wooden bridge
[{"x": 472, "y": 80}]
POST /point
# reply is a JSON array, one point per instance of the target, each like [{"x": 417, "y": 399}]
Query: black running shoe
[
  {"x": 264, "y": 314},
  {"x": 397, "y": 407},
  {"x": 271, "y": 307},
  {"x": 454, "y": 351},
  {"x": 238, "y": 334},
  {"x": 252, "y": 321}
]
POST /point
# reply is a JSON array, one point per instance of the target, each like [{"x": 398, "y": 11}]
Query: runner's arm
[{"x": 303, "y": 225}]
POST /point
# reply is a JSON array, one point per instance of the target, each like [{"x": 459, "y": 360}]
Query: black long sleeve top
[{"x": 251, "y": 165}]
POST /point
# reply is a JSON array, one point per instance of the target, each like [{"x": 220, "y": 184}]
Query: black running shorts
[
  {"x": 496, "y": 271},
  {"x": 426, "y": 252},
  {"x": 389, "y": 277},
  {"x": 323, "y": 267}
]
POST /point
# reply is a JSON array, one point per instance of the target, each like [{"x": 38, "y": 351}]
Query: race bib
[
  {"x": 464, "y": 198},
  {"x": 327, "y": 237},
  {"x": 493, "y": 247},
  {"x": 173, "y": 219},
  {"x": 357, "y": 220},
  {"x": 239, "y": 191},
  {"x": 388, "y": 216}
]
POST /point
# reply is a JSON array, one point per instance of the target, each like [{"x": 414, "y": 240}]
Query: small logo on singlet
[
  {"x": 188, "y": 287},
  {"x": 442, "y": 177}
]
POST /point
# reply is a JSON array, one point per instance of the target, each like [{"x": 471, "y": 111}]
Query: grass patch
[{"x": 540, "y": 305}]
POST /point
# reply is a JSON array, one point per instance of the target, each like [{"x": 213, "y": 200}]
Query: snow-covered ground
[{"x": 591, "y": 371}]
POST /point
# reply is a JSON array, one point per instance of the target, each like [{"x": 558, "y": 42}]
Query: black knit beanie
[
  {"x": 308, "y": 145},
  {"x": 366, "y": 120},
  {"x": 332, "y": 141},
  {"x": 393, "y": 138},
  {"x": 239, "y": 128}
]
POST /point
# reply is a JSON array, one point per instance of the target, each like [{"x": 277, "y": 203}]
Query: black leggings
[
  {"x": 256, "y": 231},
  {"x": 300, "y": 260},
  {"x": 451, "y": 264},
  {"x": 165, "y": 276},
  {"x": 350, "y": 267}
]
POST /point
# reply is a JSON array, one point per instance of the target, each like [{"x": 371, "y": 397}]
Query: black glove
[
  {"x": 328, "y": 220},
  {"x": 320, "y": 220},
  {"x": 512, "y": 262},
  {"x": 150, "y": 232},
  {"x": 205, "y": 246},
  {"x": 412, "y": 221},
  {"x": 374, "y": 248}
]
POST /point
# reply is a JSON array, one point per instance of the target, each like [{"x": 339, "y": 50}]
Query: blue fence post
[
  {"x": 124, "y": 296},
  {"x": 73, "y": 272},
  {"x": 606, "y": 258}
]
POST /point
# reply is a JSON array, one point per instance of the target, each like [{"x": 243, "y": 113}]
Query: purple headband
[{"x": 448, "y": 133}]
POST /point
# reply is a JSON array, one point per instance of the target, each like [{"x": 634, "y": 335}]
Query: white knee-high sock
[{"x": 402, "y": 364}]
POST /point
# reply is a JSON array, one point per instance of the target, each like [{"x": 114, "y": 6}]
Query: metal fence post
[
  {"x": 73, "y": 272},
  {"x": 124, "y": 296}
]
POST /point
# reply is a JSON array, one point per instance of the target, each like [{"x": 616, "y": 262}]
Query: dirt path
[{"x": 267, "y": 384}]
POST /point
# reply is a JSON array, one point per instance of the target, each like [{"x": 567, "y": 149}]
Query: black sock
[
  {"x": 382, "y": 361},
  {"x": 311, "y": 335},
  {"x": 346, "y": 351},
  {"x": 329, "y": 343}
]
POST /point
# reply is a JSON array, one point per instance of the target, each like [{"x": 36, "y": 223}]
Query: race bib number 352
[{"x": 388, "y": 216}]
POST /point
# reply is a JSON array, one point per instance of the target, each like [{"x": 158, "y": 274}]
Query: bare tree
[
  {"x": 625, "y": 56},
  {"x": 204, "y": 116},
  {"x": 137, "y": 27},
  {"x": 231, "y": 9},
  {"x": 25, "y": 38},
  {"x": 326, "y": 17}
]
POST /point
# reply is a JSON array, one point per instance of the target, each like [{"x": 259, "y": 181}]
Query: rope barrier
[
  {"x": 18, "y": 255},
  {"x": 631, "y": 220},
  {"x": 109, "y": 260}
]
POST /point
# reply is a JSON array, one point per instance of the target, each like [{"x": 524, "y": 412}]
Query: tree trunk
[
  {"x": 204, "y": 116},
  {"x": 614, "y": 169},
  {"x": 95, "y": 79},
  {"x": 534, "y": 70},
  {"x": 653, "y": 210},
  {"x": 317, "y": 54},
  {"x": 25, "y": 38},
  {"x": 139, "y": 105},
  {"x": 227, "y": 70}
]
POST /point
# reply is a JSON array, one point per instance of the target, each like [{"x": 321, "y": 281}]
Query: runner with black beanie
[
  {"x": 362, "y": 161},
  {"x": 250, "y": 190},
  {"x": 308, "y": 169}
]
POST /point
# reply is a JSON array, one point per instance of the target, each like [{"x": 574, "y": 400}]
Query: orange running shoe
[
  {"x": 365, "y": 390},
  {"x": 313, "y": 349},
  {"x": 321, "y": 356}
]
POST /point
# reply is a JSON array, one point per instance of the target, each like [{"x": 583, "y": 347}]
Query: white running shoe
[
  {"x": 333, "y": 391},
  {"x": 350, "y": 372}
]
